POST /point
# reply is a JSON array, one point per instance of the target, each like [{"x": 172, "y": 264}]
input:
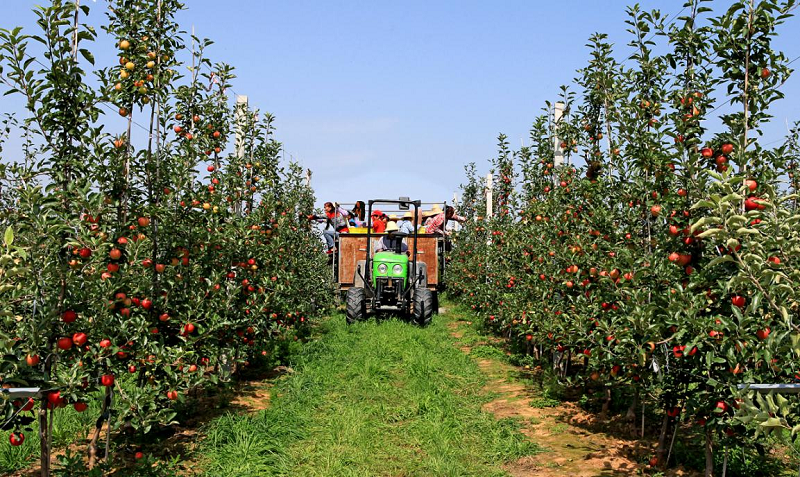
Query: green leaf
[
  {"x": 8, "y": 237},
  {"x": 732, "y": 198},
  {"x": 756, "y": 301},
  {"x": 736, "y": 221},
  {"x": 709, "y": 233},
  {"x": 703, "y": 204},
  {"x": 720, "y": 259},
  {"x": 87, "y": 55}
]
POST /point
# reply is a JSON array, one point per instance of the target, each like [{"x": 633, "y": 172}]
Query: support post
[
  {"x": 241, "y": 109},
  {"x": 558, "y": 113},
  {"x": 489, "y": 196}
]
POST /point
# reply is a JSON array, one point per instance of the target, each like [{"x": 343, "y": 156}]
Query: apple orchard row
[
  {"x": 143, "y": 263},
  {"x": 664, "y": 270}
]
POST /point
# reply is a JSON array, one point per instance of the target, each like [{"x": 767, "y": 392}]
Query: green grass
[
  {"x": 543, "y": 402},
  {"x": 559, "y": 428},
  {"x": 372, "y": 399},
  {"x": 488, "y": 352}
]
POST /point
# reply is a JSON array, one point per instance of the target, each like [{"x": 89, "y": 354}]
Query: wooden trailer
[{"x": 352, "y": 248}]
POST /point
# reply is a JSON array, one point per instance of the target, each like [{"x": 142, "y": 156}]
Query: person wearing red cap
[{"x": 379, "y": 220}]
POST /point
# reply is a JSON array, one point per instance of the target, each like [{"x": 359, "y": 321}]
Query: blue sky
[{"x": 383, "y": 99}]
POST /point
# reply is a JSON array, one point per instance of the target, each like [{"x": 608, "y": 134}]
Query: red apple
[
  {"x": 16, "y": 438},
  {"x": 69, "y": 316},
  {"x": 751, "y": 204},
  {"x": 64, "y": 343},
  {"x": 655, "y": 210},
  {"x": 54, "y": 398}
]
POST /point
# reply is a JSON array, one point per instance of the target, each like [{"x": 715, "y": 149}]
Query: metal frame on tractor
[{"x": 414, "y": 300}]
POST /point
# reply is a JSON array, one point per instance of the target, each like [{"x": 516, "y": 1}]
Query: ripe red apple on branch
[{"x": 16, "y": 438}]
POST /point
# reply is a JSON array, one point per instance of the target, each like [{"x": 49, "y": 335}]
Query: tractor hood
[{"x": 390, "y": 257}]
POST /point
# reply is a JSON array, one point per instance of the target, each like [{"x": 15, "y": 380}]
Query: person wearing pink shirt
[{"x": 437, "y": 223}]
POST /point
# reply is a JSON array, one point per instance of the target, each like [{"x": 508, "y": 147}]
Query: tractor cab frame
[{"x": 390, "y": 280}]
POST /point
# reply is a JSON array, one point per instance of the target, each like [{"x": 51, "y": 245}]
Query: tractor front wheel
[
  {"x": 423, "y": 306},
  {"x": 356, "y": 305}
]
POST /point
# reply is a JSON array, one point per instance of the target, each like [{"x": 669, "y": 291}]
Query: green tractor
[{"x": 394, "y": 279}]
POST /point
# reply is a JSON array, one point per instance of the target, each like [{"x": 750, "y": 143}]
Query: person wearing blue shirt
[{"x": 406, "y": 225}]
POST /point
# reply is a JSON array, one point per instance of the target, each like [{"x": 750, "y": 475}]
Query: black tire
[
  {"x": 435, "y": 305},
  {"x": 356, "y": 304},
  {"x": 423, "y": 306}
]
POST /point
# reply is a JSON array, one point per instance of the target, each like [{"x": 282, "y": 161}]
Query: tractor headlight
[
  {"x": 382, "y": 268},
  {"x": 397, "y": 269}
]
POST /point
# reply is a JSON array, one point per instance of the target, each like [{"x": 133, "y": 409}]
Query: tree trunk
[
  {"x": 709, "y": 450},
  {"x": 662, "y": 440},
  {"x": 98, "y": 429},
  {"x": 631, "y": 414},
  {"x": 606, "y": 404},
  {"x": 44, "y": 448}
]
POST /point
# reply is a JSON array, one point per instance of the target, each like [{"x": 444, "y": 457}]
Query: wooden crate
[{"x": 353, "y": 247}]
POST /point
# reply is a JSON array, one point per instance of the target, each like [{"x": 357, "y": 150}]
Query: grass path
[{"x": 373, "y": 399}]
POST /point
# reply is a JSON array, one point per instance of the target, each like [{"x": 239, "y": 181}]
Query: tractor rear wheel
[
  {"x": 356, "y": 305},
  {"x": 423, "y": 306}
]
